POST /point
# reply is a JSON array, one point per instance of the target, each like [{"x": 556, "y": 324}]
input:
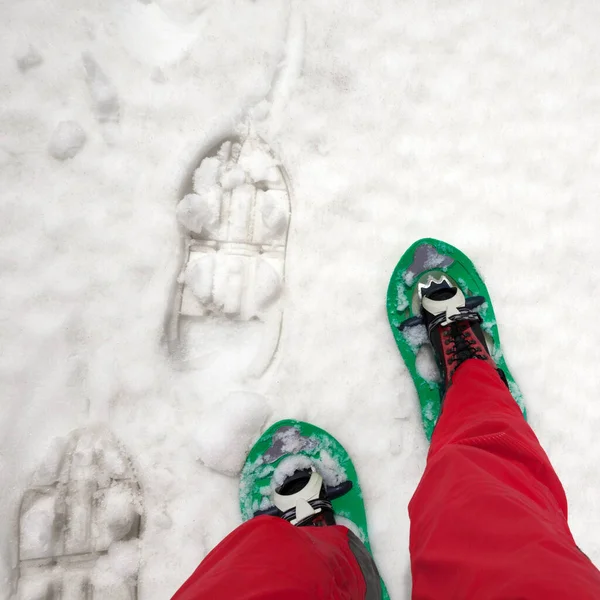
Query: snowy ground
[{"x": 470, "y": 121}]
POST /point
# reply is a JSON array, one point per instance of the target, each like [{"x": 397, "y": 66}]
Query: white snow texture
[
  {"x": 470, "y": 121},
  {"x": 225, "y": 436}
]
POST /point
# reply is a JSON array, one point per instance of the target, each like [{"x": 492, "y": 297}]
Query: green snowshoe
[
  {"x": 291, "y": 446},
  {"x": 426, "y": 260}
]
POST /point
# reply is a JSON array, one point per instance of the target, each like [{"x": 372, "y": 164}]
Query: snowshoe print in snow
[
  {"x": 289, "y": 446},
  {"x": 79, "y": 523},
  {"x": 234, "y": 224},
  {"x": 425, "y": 261}
]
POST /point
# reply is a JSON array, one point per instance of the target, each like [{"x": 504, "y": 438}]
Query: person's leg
[
  {"x": 489, "y": 517},
  {"x": 267, "y": 558}
]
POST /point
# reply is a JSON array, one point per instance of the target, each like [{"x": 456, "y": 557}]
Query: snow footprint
[
  {"x": 79, "y": 523},
  {"x": 103, "y": 94},
  {"x": 234, "y": 223}
]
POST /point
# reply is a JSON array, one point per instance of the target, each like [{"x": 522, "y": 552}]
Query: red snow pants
[{"x": 488, "y": 521}]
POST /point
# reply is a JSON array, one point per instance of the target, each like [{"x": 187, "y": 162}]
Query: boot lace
[{"x": 458, "y": 343}]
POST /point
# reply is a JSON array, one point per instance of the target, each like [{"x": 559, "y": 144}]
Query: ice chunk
[
  {"x": 258, "y": 162},
  {"x": 274, "y": 212},
  {"x": 224, "y": 438},
  {"x": 415, "y": 336},
  {"x": 117, "y": 514},
  {"x": 105, "y": 100},
  {"x": 265, "y": 503},
  {"x": 291, "y": 440},
  {"x": 331, "y": 471},
  {"x": 199, "y": 276},
  {"x": 429, "y": 411},
  {"x": 288, "y": 466},
  {"x": 67, "y": 140},
  {"x": 227, "y": 150},
  {"x": 434, "y": 258},
  {"x": 200, "y": 213},
  {"x": 287, "y": 440},
  {"x": 233, "y": 177},
  {"x": 27, "y": 58},
  {"x": 402, "y": 303},
  {"x": 205, "y": 176}
]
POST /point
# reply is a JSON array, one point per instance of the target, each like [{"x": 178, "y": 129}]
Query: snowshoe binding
[
  {"x": 304, "y": 499},
  {"x": 454, "y": 330}
]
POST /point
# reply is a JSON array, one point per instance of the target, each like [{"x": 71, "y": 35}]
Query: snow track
[
  {"x": 80, "y": 522},
  {"x": 234, "y": 221},
  {"x": 235, "y": 225}
]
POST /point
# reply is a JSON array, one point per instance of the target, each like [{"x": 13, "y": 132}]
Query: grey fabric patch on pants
[{"x": 367, "y": 566}]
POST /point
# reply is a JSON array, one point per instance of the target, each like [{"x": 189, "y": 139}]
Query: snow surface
[
  {"x": 67, "y": 140},
  {"x": 225, "y": 436},
  {"x": 470, "y": 121}
]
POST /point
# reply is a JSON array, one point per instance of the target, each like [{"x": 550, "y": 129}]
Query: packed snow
[
  {"x": 473, "y": 122},
  {"x": 200, "y": 213},
  {"x": 224, "y": 437}
]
